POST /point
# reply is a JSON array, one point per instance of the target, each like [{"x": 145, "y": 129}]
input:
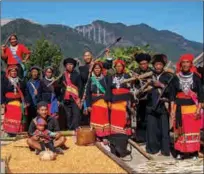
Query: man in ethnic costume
[
  {"x": 143, "y": 60},
  {"x": 187, "y": 96},
  {"x": 70, "y": 84},
  {"x": 157, "y": 114}
]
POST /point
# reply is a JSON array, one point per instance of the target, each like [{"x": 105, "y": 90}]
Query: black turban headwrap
[
  {"x": 141, "y": 57},
  {"x": 70, "y": 60},
  {"x": 159, "y": 58}
]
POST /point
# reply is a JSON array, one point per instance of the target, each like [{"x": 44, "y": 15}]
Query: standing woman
[
  {"x": 97, "y": 102},
  {"x": 14, "y": 54},
  {"x": 48, "y": 94},
  {"x": 187, "y": 96},
  {"x": 33, "y": 86},
  {"x": 15, "y": 99},
  {"x": 120, "y": 100}
]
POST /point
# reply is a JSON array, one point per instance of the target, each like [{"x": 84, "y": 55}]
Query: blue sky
[{"x": 185, "y": 18}]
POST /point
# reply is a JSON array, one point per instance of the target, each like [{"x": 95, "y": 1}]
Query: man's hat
[
  {"x": 41, "y": 121},
  {"x": 141, "y": 57},
  {"x": 69, "y": 60},
  {"x": 159, "y": 58},
  {"x": 35, "y": 67}
]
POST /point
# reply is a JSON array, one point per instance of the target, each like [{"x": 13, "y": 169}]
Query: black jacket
[{"x": 75, "y": 79}]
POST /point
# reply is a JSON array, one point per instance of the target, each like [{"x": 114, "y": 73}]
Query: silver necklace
[
  {"x": 185, "y": 82},
  {"x": 117, "y": 81}
]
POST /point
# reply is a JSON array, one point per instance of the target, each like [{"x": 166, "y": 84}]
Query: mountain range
[{"x": 99, "y": 34}]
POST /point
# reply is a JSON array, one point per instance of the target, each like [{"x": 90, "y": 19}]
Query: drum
[{"x": 85, "y": 135}]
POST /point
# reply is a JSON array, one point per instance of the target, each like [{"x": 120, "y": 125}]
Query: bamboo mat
[{"x": 77, "y": 159}]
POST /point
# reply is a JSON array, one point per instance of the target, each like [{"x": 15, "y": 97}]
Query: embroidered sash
[
  {"x": 19, "y": 61},
  {"x": 23, "y": 105},
  {"x": 97, "y": 83},
  {"x": 71, "y": 89}
]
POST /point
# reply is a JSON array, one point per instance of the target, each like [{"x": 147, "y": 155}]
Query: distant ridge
[{"x": 98, "y": 34}]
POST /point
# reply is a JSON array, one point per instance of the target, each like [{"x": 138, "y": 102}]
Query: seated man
[{"x": 52, "y": 125}]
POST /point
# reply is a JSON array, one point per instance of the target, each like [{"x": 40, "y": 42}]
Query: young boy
[{"x": 44, "y": 136}]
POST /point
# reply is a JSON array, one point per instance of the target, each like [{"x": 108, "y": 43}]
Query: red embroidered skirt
[
  {"x": 99, "y": 118},
  {"x": 189, "y": 139},
  {"x": 119, "y": 122},
  {"x": 13, "y": 118}
]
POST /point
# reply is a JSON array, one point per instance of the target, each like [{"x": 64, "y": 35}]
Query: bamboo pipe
[
  {"x": 134, "y": 144},
  {"x": 148, "y": 74},
  {"x": 23, "y": 135}
]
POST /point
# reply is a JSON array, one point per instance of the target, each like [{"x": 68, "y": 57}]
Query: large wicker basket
[{"x": 85, "y": 135}]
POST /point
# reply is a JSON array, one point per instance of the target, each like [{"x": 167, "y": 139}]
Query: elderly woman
[
  {"x": 15, "y": 98},
  {"x": 48, "y": 93},
  {"x": 187, "y": 96},
  {"x": 97, "y": 102}
]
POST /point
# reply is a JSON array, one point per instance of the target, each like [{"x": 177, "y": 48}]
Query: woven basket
[{"x": 85, "y": 135}]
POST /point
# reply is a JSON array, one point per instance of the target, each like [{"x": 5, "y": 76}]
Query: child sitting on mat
[{"x": 45, "y": 137}]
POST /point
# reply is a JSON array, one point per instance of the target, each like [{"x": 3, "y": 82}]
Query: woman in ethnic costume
[
  {"x": 49, "y": 93},
  {"x": 15, "y": 98},
  {"x": 187, "y": 96},
  {"x": 120, "y": 100},
  {"x": 16, "y": 54},
  {"x": 97, "y": 102}
]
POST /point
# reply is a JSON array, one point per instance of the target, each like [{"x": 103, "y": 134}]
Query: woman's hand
[
  {"x": 24, "y": 61},
  {"x": 107, "y": 52},
  {"x": 133, "y": 105},
  {"x": 197, "y": 114},
  {"x": 36, "y": 92},
  {"x": 85, "y": 112},
  {"x": 35, "y": 137},
  {"x": 89, "y": 109},
  {"x": 27, "y": 105},
  {"x": 3, "y": 105},
  {"x": 202, "y": 105},
  {"x": 173, "y": 115},
  {"x": 58, "y": 135},
  {"x": 3, "y": 47},
  {"x": 109, "y": 104}
]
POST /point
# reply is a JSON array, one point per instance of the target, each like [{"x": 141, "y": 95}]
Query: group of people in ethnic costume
[{"x": 107, "y": 101}]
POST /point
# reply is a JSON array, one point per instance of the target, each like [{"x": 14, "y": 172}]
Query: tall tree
[
  {"x": 44, "y": 53},
  {"x": 127, "y": 54}
]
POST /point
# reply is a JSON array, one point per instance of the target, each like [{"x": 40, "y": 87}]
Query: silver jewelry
[
  {"x": 185, "y": 82},
  {"x": 118, "y": 81}
]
